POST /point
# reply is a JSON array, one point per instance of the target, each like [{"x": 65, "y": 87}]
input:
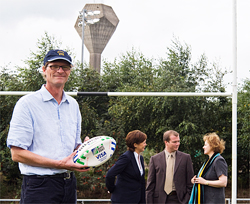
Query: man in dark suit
[{"x": 173, "y": 184}]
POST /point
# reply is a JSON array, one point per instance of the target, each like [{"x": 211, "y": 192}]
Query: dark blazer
[
  {"x": 183, "y": 173},
  {"x": 211, "y": 194},
  {"x": 130, "y": 185}
]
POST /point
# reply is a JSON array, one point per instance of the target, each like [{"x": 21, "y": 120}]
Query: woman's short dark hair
[{"x": 135, "y": 136}]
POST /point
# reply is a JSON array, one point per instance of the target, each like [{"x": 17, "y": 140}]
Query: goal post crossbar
[{"x": 204, "y": 94}]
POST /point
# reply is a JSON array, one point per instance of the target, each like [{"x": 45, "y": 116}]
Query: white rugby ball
[{"x": 95, "y": 151}]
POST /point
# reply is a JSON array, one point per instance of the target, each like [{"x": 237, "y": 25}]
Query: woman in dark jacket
[
  {"x": 129, "y": 172},
  {"x": 209, "y": 184}
]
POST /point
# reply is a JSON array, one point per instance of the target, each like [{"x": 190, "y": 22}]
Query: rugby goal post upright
[{"x": 234, "y": 106}]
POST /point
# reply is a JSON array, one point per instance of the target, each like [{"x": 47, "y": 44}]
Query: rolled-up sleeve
[{"x": 21, "y": 129}]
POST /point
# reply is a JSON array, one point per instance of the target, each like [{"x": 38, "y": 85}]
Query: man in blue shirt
[{"x": 44, "y": 132}]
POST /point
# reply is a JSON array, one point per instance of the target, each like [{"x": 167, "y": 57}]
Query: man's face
[
  {"x": 57, "y": 78},
  {"x": 173, "y": 144}
]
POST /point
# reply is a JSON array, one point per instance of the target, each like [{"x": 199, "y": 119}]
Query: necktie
[{"x": 169, "y": 175}]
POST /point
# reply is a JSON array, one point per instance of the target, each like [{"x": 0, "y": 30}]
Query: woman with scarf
[{"x": 210, "y": 182}]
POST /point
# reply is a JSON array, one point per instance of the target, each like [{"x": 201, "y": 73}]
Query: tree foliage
[{"x": 244, "y": 134}]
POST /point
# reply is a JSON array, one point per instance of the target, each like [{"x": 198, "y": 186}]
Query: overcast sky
[{"x": 149, "y": 26}]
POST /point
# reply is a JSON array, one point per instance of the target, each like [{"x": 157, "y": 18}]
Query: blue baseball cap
[{"x": 53, "y": 55}]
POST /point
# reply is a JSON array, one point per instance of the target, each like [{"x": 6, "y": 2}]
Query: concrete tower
[{"x": 96, "y": 36}]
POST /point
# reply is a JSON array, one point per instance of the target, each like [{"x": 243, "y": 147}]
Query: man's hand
[
  {"x": 68, "y": 163},
  {"x": 86, "y": 138}
]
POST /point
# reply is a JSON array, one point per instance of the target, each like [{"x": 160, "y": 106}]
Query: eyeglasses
[{"x": 57, "y": 67}]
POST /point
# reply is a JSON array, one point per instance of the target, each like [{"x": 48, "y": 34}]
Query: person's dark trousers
[
  {"x": 172, "y": 198},
  {"x": 59, "y": 188}
]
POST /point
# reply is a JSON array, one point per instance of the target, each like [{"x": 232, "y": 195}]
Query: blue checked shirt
[{"x": 41, "y": 125}]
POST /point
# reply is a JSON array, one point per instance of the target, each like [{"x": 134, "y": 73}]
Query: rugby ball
[{"x": 95, "y": 151}]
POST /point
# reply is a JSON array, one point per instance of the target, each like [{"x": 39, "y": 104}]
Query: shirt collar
[
  {"x": 136, "y": 155},
  {"x": 47, "y": 96},
  {"x": 167, "y": 153}
]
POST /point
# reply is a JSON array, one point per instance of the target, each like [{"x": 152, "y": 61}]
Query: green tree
[
  {"x": 191, "y": 116},
  {"x": 9, "y": 169},
  {"x": 93, "y": 108},
  {"x": 243, "y": 135}
]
